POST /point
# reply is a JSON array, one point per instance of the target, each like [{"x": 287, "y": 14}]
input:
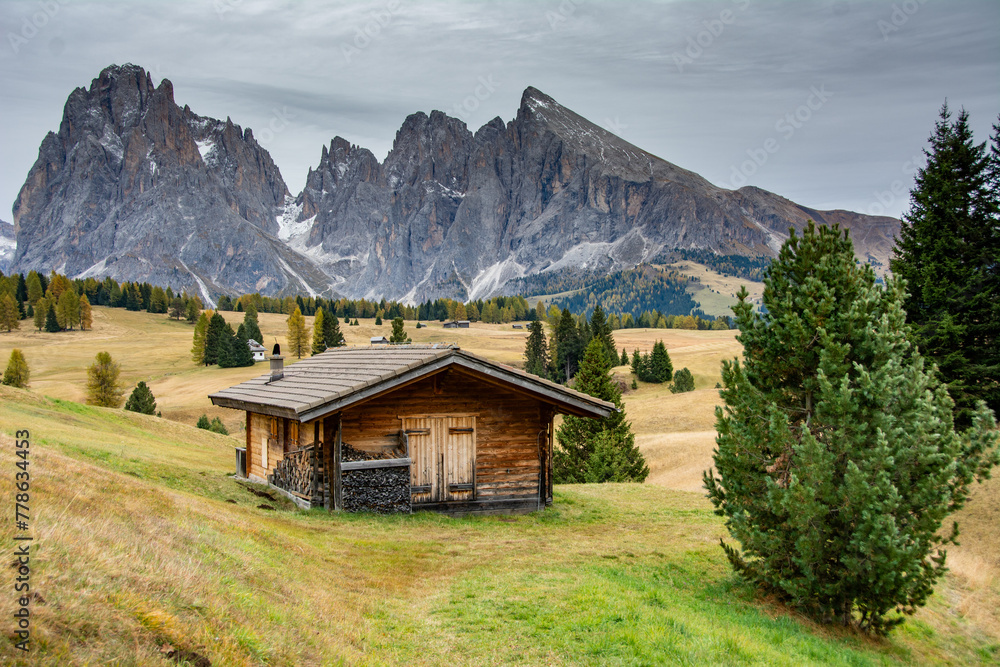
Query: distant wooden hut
[
  {"x": 409, "y": 426},
  {"x": 378, "y": 340},
  {"x": 458, "y": 324}
]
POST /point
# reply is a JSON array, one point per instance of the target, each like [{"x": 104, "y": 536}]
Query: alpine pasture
[{"x": 147, "y": 550}]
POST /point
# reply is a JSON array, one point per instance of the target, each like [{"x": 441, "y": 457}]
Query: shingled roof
[{"x": 342, "y": 376}]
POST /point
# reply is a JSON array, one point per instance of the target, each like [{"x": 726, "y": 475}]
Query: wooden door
[
  {"x": 459, "y": 458},
  {"x": 443, "y": 450}
]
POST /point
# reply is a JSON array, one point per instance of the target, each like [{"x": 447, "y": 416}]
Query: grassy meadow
[{"x": 146, "y": 545}]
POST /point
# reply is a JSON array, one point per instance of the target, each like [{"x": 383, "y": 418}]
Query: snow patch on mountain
[{"x": 489, "y": 281}]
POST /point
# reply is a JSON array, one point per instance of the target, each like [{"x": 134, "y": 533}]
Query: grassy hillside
[{"x": 144, "y": 540}]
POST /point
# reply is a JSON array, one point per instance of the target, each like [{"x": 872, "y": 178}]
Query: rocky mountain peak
[{"x": 135, "y": 187}]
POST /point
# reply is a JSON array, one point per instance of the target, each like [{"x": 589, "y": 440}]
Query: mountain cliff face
[
  {"x": 6, "y": 245},
  {"x": 460, "y": 214},
  {"x": 135, "y": 187}
]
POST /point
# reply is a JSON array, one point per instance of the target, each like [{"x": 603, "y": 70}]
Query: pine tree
[
  {"x": 600, "y": 329},
  {"x": 536, "y": 352},
  {"x": 17, "y": 373},
  {"x": 836, "y": 453},
  {"x": 331, "y": 332},
  {"x": 624, "y": 358},
  {"x": 141, "y": 400},
  {"x": 251, "y": 327},
  {"x": 9, "y": 319},
  {"x": 177, "y": 308},
  {"x": 133, "y": 298},
  {"x": 683, "y": 381},
  {"x": 103, "y": 387},
  {"x": 661, "y": 369},
  {"x": 298, "y": 334},
  {"x": 574, "y": 460},
  {"x": 198, "y": 347},
  {"x": 398, "y": 334},
  {"x": 637, "y": 362},
  {"x": 203, "y": 422},
  {"x": 568, "y": 347},
  {"x": 319, "y": 341},
  {"x": 947, "y": 252},
  {"x": 51, "y": 323},
  {"x": 192, "y": 310},
  {"x": 228, "y": 347},
  {"x": 216, "y": 339},
  {"x": 378, "y": 320},
  {"x": 241, "y": 354},
  {"x": 86, "y": 313}
]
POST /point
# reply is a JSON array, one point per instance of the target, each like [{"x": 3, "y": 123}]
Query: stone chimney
[{"x": 277, "y": 364}]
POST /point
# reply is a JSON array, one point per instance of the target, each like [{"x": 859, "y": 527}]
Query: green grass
[{"x": 144, "y": 539}]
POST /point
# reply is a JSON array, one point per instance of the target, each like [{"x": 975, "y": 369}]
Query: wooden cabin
[{"x": 404, "y": 427}]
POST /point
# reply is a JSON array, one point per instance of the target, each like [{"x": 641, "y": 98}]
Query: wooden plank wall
[
  {"x": 259, "y": 427},
  {"x": 507, "y": 427}
]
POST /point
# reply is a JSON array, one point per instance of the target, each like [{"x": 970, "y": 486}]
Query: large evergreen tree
[
  {"x": 103, "y": 387},
  {"x": 661, "y": 369},
  {"x": 836, "y": 453},
  {"x": 216, "y": 339},
  {"x": 141, "y": 400},
  {"x": 597, "y": 450},
  {"x": 947, "y": 252},
  {"x": 536, "y": 350}
]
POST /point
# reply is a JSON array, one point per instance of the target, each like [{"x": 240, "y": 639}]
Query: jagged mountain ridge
[
  {"x": 461, "y": 214},
  {"x": 449, "y": 212},
  {"x": 137, "y": 188}
]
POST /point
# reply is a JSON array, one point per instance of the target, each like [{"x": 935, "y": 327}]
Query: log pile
[
  {"x": 378, "y": 490},
  {"x": 294, "y": 473}
]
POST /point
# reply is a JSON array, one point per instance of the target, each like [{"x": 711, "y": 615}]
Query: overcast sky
[{"x": 834, "y": 98}]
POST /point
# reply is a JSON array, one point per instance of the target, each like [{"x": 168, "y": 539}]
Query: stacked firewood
[
  {"x": 294, "y": 473},
  {"x": 378, "y": 490},
  {"x": 348, "y": 453}
]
